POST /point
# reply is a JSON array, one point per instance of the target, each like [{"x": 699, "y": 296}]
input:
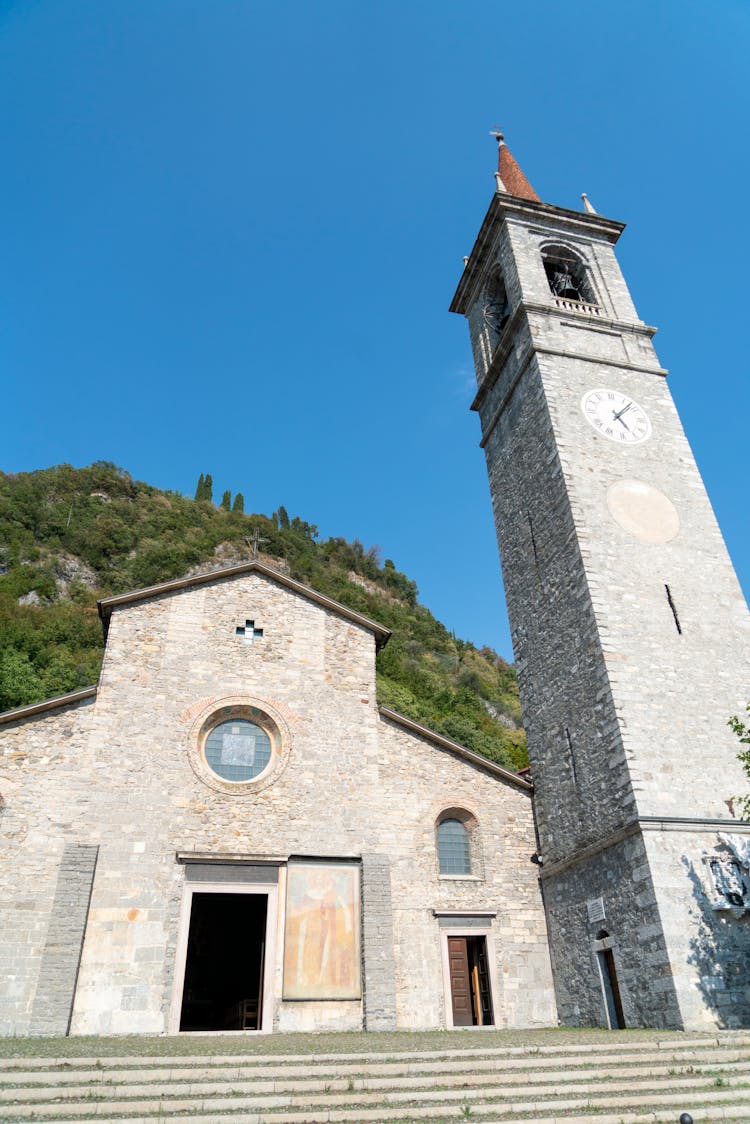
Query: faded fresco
[{"x": 321, "y": 945}]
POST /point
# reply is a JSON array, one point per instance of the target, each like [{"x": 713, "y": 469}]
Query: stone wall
[
  {"x": 713, "y": 944},
  {"x": 58, "y": 973},
  {"x": 619, "y": 879},
  {"x": 506, "y": 882},
  {"x": 49, "y": 752},
  {"x": 123, "y": 774},
  {"x": 629, "y": 627}
]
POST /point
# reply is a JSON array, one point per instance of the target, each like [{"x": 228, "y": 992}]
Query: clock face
[{"x": 615, "y": 415}]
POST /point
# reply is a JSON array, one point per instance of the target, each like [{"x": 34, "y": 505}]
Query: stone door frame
[
  {"x": 271, "y": 891},
  {"x": 467, "y": 931}
]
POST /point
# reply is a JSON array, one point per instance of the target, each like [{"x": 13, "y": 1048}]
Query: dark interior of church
[{"x": 224, "y": 966}]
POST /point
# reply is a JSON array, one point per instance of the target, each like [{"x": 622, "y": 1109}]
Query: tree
[
  {"x": 19, "y": 682},
  {"x": 742, "y": 730},
  {"x": 283, "y": 518},
  {"x": 239, "y": 503},
  {"x": 205, "y": 488},
  {"x": 226, "y": 500}
]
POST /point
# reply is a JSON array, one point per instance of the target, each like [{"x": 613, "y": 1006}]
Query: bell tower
[{"x": 630, "y": 631}]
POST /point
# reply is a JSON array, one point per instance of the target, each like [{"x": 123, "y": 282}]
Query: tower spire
[{"x": 509, "y": 177}]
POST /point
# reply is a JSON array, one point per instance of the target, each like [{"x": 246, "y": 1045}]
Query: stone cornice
[
  {"x": 501, "y": 206},
  {"x": 217, "y": 858},
  {"x": 693, "y": 823},
  {"x": 645, "y": 823},
  {"x": 579, "y": 319},
  {"x": 464, "y": 913}
]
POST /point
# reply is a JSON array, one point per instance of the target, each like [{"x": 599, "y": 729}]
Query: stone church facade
[{"x": 228, "y": 833}]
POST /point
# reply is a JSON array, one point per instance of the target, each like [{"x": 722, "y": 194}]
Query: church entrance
[
  {"x": 224, "y": 964},
  {"x": 610, "y": 989},
  {"x": 471, "y": 992}
]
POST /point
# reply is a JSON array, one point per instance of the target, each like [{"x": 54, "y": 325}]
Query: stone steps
[
  {"x": 276, "y": 1078},
  {"x": 96, "y": 1085},
  {"x": 622, "y": 1080}
]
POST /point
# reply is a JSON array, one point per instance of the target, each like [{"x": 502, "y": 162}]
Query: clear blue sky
[{"x": 231, "y": 231}]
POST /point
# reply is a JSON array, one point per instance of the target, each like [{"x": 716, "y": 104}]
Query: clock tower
[{"x": 630, "y": 631}]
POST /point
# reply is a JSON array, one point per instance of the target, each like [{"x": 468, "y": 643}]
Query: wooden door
[
  {"x": 481, "y": 974},
  {"x": 458, "y": 961}
]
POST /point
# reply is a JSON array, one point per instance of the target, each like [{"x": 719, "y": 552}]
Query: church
[{"x": 229, "y": 834}]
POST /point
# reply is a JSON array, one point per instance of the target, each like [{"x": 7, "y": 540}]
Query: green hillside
[{"x": 69, "y": 536}]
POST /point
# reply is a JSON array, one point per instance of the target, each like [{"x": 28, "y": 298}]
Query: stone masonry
[
  {"x": 377, "y": 943},
  {"x": 629, "y": 628},
  {"x": 123, "y": 771},
  {"x": 53, "y": 1002}
]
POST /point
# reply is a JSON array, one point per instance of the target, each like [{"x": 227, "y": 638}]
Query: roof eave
[
  {"x": 455, "y": 747},
  {"x": 56, "y": 703}
]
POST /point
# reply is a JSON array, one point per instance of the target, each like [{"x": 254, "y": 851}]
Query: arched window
[
  {"x": 496, "y": 307},
  {"x": 454, "y": 853},
  {"x": 567, "y": 276}
]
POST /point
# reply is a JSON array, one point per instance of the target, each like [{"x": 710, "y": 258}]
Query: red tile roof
[{"x": 514, "y": 180}]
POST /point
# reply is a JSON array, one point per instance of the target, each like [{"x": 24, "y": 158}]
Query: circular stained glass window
[{"x": 238, "y": 750}]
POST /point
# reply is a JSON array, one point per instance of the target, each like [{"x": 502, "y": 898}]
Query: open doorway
[
  {"x": 226, "y": 947},
  {"x": 608, "y": 976},
  {"x": 471, "y": 991},
  {"x": 611, "y": 989}
]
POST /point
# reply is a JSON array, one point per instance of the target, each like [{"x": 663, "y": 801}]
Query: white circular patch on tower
[{"x": 643, "y": 511}]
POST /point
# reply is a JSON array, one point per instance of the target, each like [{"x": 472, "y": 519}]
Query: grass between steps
[
  {"x": 468, "y": 1108},
  {"x": 346, "y": 1042},
  {"x": 335, "y": 1094}
]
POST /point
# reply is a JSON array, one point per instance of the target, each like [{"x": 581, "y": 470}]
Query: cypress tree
[
  {"x": 200, "y": 488},
  {"x": 208, "y": 485},
  {"x": 239, "y": 503},
  {"x": 226, "y": 500}
]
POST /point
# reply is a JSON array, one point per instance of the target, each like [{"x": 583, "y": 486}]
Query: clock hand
[{"x": 618, "y": 416}]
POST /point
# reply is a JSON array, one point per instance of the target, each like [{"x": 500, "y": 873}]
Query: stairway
[{"x": 614, "y": 1081}]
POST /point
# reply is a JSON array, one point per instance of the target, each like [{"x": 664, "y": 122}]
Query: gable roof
[
  {"x": 107, "y": 604},
  {"x": 455, "y": 747}
]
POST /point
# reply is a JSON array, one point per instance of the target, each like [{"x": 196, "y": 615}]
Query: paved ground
[{"x": 344, "y": 1043}]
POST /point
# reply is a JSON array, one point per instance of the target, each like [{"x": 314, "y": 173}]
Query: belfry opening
[{"x": 223, "y": 988}]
